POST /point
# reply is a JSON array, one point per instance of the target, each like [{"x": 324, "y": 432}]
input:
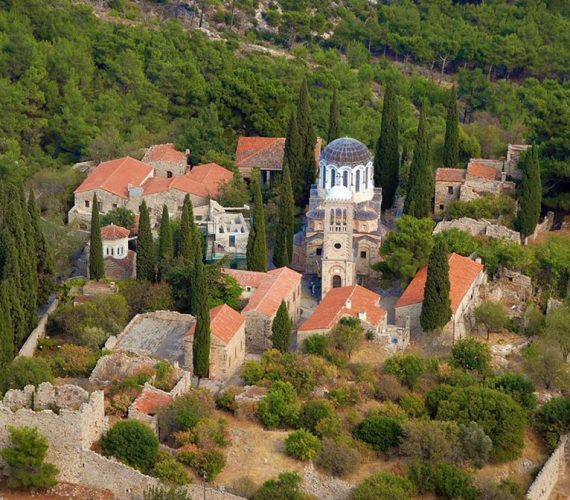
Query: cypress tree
[
  {"x": 421, "y": 181},
  {"x": 201, "y": 341},
  {"x": 281, "y": 329},
  {"x": 197, "y": 253},
  {"x": 333, "y": 118},
  {"x": 451, "y": 144},
  {"x": 308, "y": 170},
  {"x": 30, "y": 248},
  {"x": 293, "y": 151},
  {"x": 96, "y": 266},
  {"x": 436, "y": 306},
  {"x": 257, "y": 242},
  {"x": 387, "y": 155},
  {"x": 530, "y": 193},
  {"x": 146, "y": 262},
  {"x": 6, "y": 327},
  {"x": 45, "y": 259},
  {"x": 283, "y": 249},
  {"x": 165, "y": 242},
  {"x": 187, "y": 233}
]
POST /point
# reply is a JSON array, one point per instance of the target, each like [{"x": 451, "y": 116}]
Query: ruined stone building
[
  {"x": 166, "y": 160},
  {"x": 468, "y": 184},
  {"x": 227, "y": 348},
  {"x": 265, "y": 153},
  {"x": 342, "y": 237},
  {"x": 509, "y": 165},
  {"x": 264, "y": 293},
  {"x": 119, "y": 261},
  {"x": 479, "y": 227},
  {"x": 466, "y": 277}
]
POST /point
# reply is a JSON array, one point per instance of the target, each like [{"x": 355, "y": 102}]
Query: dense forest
[{"x": 74, "y": 86}]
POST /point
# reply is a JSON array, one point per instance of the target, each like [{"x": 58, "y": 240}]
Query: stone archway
[{"x": 336, "y": 281}]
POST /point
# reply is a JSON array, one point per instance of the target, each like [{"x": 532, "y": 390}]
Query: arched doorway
[{"x": 336, "y": 281}]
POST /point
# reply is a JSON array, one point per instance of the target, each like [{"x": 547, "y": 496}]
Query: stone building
[
  {"x": 166, "y": 160},
  {"x": 119, "y": 261},
  {"x": 468, "y": 184},
  {"x": 479, "y": 227},
  {"x": 227, "y": 348},
  {"x": 466, "y": 277},
  {"x": 342, "y": 237},
  {"x": 264, "y": 293},
  {"x": 265, "y": 153}
]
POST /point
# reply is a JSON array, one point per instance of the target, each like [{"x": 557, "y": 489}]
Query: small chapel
[{"x": 342, "y": 235}]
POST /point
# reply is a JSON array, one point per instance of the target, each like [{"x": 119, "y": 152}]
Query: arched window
[
  {"x": 345, "y": 178},
  {"x": 333, "y": 177},
  {"x": 357, "y": 183},
  {"x": 344, "y": 217},
  {"x": 324, "y": 176},
  {"x": 338, "y": 216},
  {"x": 336, "y": 281}
]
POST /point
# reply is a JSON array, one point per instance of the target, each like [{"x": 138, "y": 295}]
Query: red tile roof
[
  {"x": 246, "y": 278},
  {"x": 151, "y": 400},
  {"x": 261, "y": 152},
  {"x": 462, "y": 273},
  {"x": 115, "y": 176},
  {"x": 225, "y": 322},
  {"x": 480, "y": 170},
  {"x": 211, "y": 176},
  {"x": 166, "y": 153},
  {"x": 334, "y": 307},
  {"x": 112, "y": 232},
  {"x": 450, "y": 174}
]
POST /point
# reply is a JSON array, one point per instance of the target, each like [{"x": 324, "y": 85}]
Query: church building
[{"x": 342, "y": 236}]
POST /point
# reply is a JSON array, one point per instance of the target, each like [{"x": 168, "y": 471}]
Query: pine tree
[
  {"x": 333, "y": 118},
  {"x": 387, "y": 155},
  {"x": 421, "y": 181},
  {"x": 283, "y": 249},
  {"x": 146, "y": 261},
  {"x": 451, "y": 144},
  {"x": 281, "y": 329},
  {"x": 293, "y": 151},
  {"x": 96, "y": 266},
  {"x": 45, "y": 258},
  {"x": 530, "y": 193},
  {"x": 201, "y": 341},
  {"x": 257, "y": 242},
  {"x": 187, "y": 233},
  {"x": 6, "y": 326},
  {"x": 308, "y": 170},
  {"x": 436, "y": 306}
]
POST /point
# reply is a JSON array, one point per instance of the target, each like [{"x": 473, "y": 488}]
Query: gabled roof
[
  {"x": 462, "y": 273},
  {"x": 225, "y": 322},
  {"x": 115, "y": 176},
  {"x": 211, "y": 176},
  {"x": 246, "y": 278},
  {"x": 450, "y": 174},
  {"x": 166, "y": 153},
  {"x": 112, "y": 232},
  {"x": 151, "y": 400},
  {"x": 260, "y": 152},
  {"x": 342, "y": 302},
  {"x": 480, "y": 170}
]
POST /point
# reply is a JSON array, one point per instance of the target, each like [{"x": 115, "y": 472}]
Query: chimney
[
  {"x": 348, "y": 304},
  {"x": 362, "y": 316}
]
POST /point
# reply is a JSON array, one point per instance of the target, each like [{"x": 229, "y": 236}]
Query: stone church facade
[{"x": 342, "y": 236}]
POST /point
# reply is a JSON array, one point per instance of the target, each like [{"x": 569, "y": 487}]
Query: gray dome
[{"x": 346, "y": 152}]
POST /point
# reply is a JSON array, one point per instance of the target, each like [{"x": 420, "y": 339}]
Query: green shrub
[
  {"x": 207, "y": 433},
  {"x": 185, "y": 411},
  {"x": 389, "y": 388},
  {"x": 312, "y": 412},
  {"x": 471, "y": 354},
  {"x": 553, "y": 420},
  {"x": 476, "y": 446},
  {"x": 25, "y": 459},
  {"x": 434, "y": 397},
  {"x": 72, "y": 361},
  {"x": 24, "y": 371},
  {"x": 227, "y": 399},
  {"x": 280, "y": 407},
  {"x": 383, "y": 486},
  {"x": 286, "y": 487},
  {"x": 413, "y": 405},
  {"x": 252, "y": 372},
  {"x": 302, "y": 445},
  {"x": 444, "y": 480},
  {"x": 430, "y": 440},
  {"x": 315, "y": 344},
  {"x": 169, "y": 470},
  {"x": 344, "y": 395},
  {"x": 407, "y": 368},
  {"x": 337, "y": 458},
  {"x": 162, "y": 493},
  {"x": 380, "y": 432},
  {"x": 165, "y": 378},
  {"x": 209, "y": 463},
  {"x": 131, "y": 442},
  {"x": 518, "y": 386}
]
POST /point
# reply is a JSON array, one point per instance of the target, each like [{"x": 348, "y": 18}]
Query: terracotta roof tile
[
  {"x": 261, "y": 152},
  {"x": 334, "y": 307},
  {"x": 112, "y": 232},
  {"x": 450, "y": 174},
  {"x": 480, "y": 170},
  {"x": 115, "y": 176},
  {"x": 151, "y": 400},
  {"x": 211, "y": 176},
  {"x": 225, "y": 322},
  {"x": 166, "y": 153},
  {"x": 462, "y": 273},
  {"x": 246, "y": 278}
]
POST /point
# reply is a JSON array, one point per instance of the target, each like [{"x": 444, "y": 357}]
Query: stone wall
[
  {"x": 443, "y": 197},
  {"x": 38, "y": 333},
  {"x": 551, "y": 472},
  {"x": 543, "y": 227},
  {"x": 479, "y": 227}
]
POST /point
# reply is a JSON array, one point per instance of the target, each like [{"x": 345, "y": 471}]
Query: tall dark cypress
[
  {"x": 333, "y": 118},
  {"x": 281, "y": 329},
  {"x": 165, "y": 242},
  {"x": 436, "y": 306},
  {"x": 283, "y": 248},
  {"x": 201, "y": 341},
  {"x": 530, "y": 192},
  {"x": 30, "y": 248},
  {"x": 6, "y": 326},
  {"x": 96, "y": 266},
  {"x": 387, "y": 155},
  {"x": 257, "y": 242},
  {"x": 293, "y": 151},
  {"x": 451, "y": 144},
  {"x": 45, "y": 258},
  {"x": 308, "y": 170},
  {"x": 187, "y": 233},
  {"x": 421, "y": 181},
  {"x": 146, "y": 260}
]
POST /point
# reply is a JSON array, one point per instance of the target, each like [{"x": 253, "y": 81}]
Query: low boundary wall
[
  {"x": 551, "y": 472},
  {"x": 38, "y": 333}
]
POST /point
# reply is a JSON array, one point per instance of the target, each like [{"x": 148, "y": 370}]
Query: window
[
  {"x": 337, "y": 246},
  {"x": 169, "y": 174},
  {"x": 319, "y": 251},
  {"x": 336, "y": 281},
  {"x": 441, "y": 207},
  {"x": 115, "y": 205},
  {"x": 87, "y": 203},
  {"x": 324, "y": 177},
  {"x": 363, "y": 254},
  {"x": 345, "y": 178},
  {"x": 358, "y": 180},
  {"x": 333, "y": 177},
  {"x": 248, "y": 289},
  {"x": 449, "y": 189}
]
